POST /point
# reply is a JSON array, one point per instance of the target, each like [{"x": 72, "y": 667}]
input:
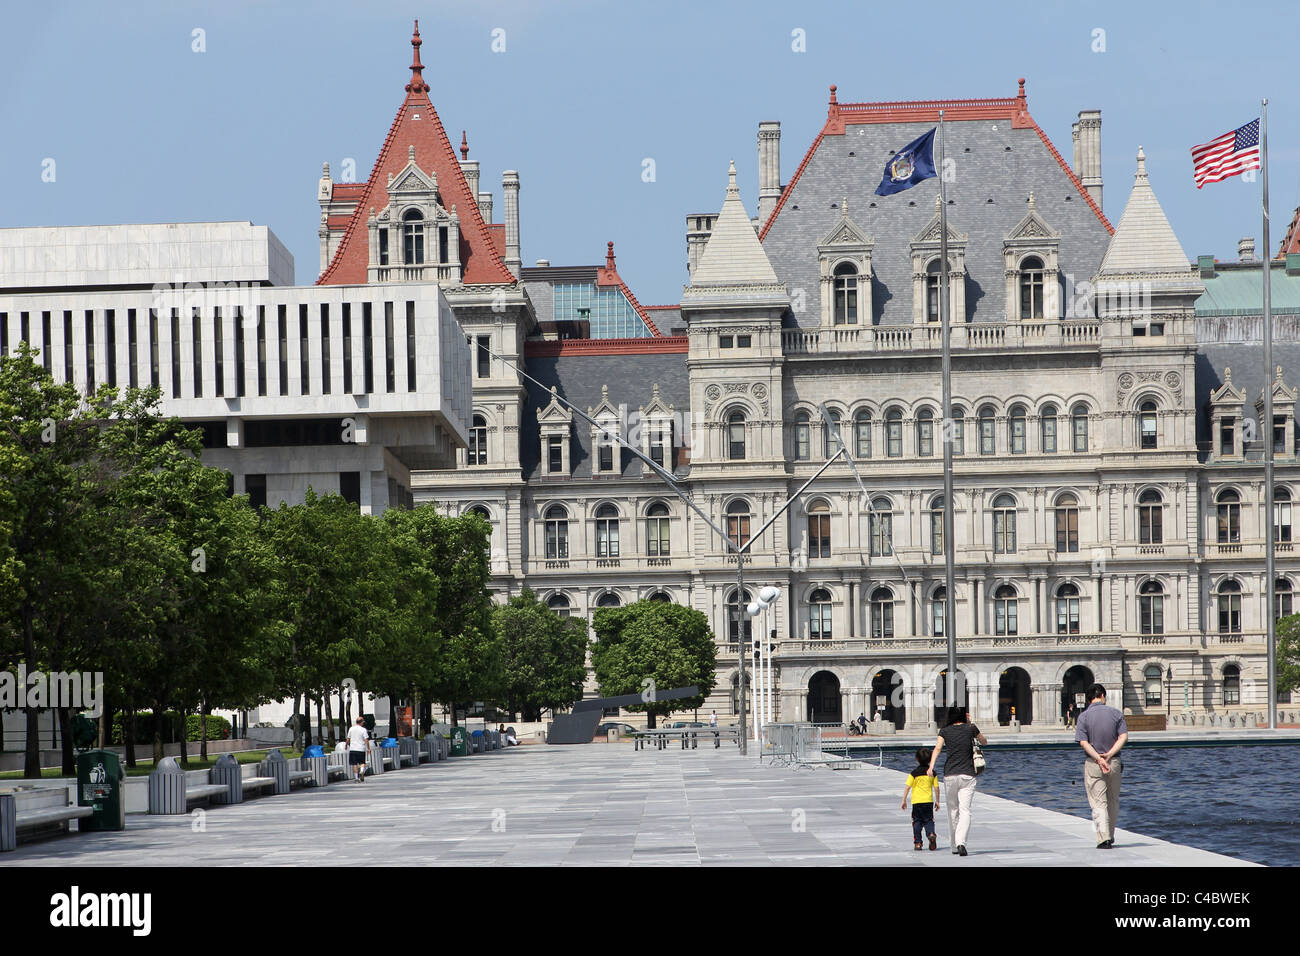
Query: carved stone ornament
[
  {"x": 1173, "y": 380},
  {"x": 713, "y": 393},
  {"x": 760, "y": 390},
  {"x": 1126, "y": 380}
]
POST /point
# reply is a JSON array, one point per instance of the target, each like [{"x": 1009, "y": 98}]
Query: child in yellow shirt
[{"x": 925, "y": 798}]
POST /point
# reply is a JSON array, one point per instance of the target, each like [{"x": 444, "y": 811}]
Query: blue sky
[{"x": 143, "y": 129}]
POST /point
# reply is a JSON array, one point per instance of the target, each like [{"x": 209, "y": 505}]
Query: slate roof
[
  {"x": 1247, "y": 363},
  {"x": 999, "y": 156},
  {"x": 578, "y": 378}
]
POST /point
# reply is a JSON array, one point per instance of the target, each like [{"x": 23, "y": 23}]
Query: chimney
[
  {"x": 485, "y": 207},
  {"x": 510, "y": 189},
  {"x": 769, "y": 167},
  {"x": 1246, "y": 249},
  {"x": 699, "y": 226},
  {"x": 543, "y": 263},
  {"x": 1087, "y": 152}
]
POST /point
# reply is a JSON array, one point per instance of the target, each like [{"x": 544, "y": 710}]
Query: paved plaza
[{"x": 596, "y": 805}]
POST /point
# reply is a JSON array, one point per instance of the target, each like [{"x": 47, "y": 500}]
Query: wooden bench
[
  {"x": 715, "y": 734},
  {"x": 29, "y": 808}
]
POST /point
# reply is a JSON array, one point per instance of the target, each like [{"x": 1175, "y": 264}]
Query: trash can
[
  {"x": 459, "y": 742},
  {"x": 99, "y": 786}
]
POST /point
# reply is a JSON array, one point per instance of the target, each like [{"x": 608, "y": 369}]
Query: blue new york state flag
[{"x": 907, "y": 167}]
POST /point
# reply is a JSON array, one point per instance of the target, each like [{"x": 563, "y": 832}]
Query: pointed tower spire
[
  {"x": 1144, "y": 243},
  {"x": 609, "y": 256},
  {"x": 733, "y": 254},
  {"x": 417, "y": 84},
  {"x": 464, "y": 147}
]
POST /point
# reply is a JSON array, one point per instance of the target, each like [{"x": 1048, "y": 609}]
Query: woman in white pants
[{"x": 958, "y": 773}]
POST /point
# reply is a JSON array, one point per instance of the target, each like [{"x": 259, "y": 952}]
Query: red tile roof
[
  {"x": 1015, "y": 109},
  {"x": 417, "y": 124},
  {"x": 642, "y": 346},
  {"x": 1291, "y": 241}
]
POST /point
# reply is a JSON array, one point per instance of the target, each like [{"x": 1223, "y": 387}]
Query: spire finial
[
  {"x": 609, "y": 255},
  {"x": 1279, "y": 373},
  {"x": 1142, "y": 165},
  {"x": 464, "y": 147},
  {"x": 654, "y": 389},
  {"x": 844, "y": 208},
  {"x": 938, "y": 203},
  {"x": 732, "y": 188},
  {"x": 1227, "y": 376},
  {"x": 604, "y": 393},
  {"x": 417, "y": 84},
  {"x": 410, "y": 153},
  {"x": 1021, "y": 94},
  {"x": 1031, "y": 200},
  {"x": 833, "y": 99}
]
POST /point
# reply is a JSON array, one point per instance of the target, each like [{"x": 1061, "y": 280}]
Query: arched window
[
  {"x": 957, "y": 430},
  {"x": 657, "y": 531},
  {"x": 1229, "y": 517},
  {"x": 608, "y": 599},
  {"x": 1047, "y": 429},
  {"x": 819, "y": 530},
  {"x": 736, "y": 436},
  {"x": 560, "y": 605},
  {"x": 1004, "y": 610},
  {"x": 1067, "y": 524},
  {"x": 557, "y": 532},
  {"x": 882, "y": 614},
  {"x": 846, "y": 294},
  {"x": 802, "y": 437},
  {"x": 938, "y": 611},
  {"x": 819, "y": 615},
  {"x": 738, "y": 522},
  {"x": 413, "y": 237},
  {"x": 932, "y": 292},
  {"x": 1067, "y": 609},
  {"x": 1079, "y": 423},
  {"x": 660, "y": 597},
  {"x": 894, "y": 433},
  {"x": 607, "y": 531},
  {"x": 1281, "y": 515},
  {"x": 1004, "y": 525},
  {"x": 1017, "y": 434},
  {"x": 1151, "y": 608},
  {"x": 481, "y": 512},
  {"x": 925, "y": 433},
  {"x": 1229, "y": 607},
  {"x": 1282, "y": 606},
  {"x": 1231, "y": 684},
  {"x": 881, "y": 525},
  {"x": 1147, "y": 436},
  {"x": 862, "y": 434},
  {"x": 735, "y": 615},
  {"x": 478, "y": 441},
  {"x": 1151, "y": 517},
  {"x": 831, "y": 434},
  {"x": 936, "y": 525},
  {"x": 1151, "y": 683},
  {"x": 988, "y": 441},
  {"x": 1031, "y": 287}
]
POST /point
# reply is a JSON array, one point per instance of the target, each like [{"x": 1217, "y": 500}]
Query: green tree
[
  {"x": 653, "y": 644},
  {"x": 1288, "y": 653},
  {"x": 544, "y": 655}
]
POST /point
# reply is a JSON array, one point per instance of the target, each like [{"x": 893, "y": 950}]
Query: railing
[
  {"x": 913, "y": 338},
  {"x": 556, "y": 565},
  {"x": 1151, "y": 549},
  {"x": 893, "y": 645},
  {"x": 607, "y": 563}
]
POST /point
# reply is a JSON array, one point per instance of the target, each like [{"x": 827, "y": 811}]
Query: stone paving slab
[{"x": 603, "y": 805}]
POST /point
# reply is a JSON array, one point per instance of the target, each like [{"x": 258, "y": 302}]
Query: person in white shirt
[
  {"x": 713, "y": 722},
  {"x": 358, "y": 748}
]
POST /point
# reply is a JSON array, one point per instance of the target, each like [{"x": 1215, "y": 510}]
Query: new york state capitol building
[{"x": 1108, "y": 455}]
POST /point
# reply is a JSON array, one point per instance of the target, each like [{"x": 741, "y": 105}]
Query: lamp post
[{"x": 762, "y": 660}]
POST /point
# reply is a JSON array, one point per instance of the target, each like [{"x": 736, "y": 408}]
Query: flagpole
[
  {"x": 1269, "y": 611},
  {"x": 949, "y": 545}
]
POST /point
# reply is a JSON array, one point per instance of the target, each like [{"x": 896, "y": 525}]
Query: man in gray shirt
[{"x": 1101, "y": 731}]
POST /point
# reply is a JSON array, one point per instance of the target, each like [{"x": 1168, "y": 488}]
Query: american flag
[{"x": 1227, "y": 155}]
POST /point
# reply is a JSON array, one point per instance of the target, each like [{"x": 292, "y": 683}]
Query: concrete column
[{"x": 510, "y": 189}]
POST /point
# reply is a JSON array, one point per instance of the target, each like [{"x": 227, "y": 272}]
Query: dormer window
[
  {"x": 846, "y": 294},
  {"x": 1227, "y": 436},
  {"x": 1031, "y": 288},
  {"x": 413, "y": 237},
  {"x": 932, "y": 298},
  {"x": 555, "y": 455},
  {"x": 383, "y": 247}
]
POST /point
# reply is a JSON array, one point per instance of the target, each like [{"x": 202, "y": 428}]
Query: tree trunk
[
  {"x": 128, "y": 732},
  {"x": 32, "y": 746},
  {"x": 296, "y": 697},
  {"x": 203, "y": 731},
  {"x": 65, "y": 734},
  {"x": 158, "y": 718},
  {"x": 185, "y": 737},
  {"x": 320, "y": 719},
  {"x": 650, "y": 723}
]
